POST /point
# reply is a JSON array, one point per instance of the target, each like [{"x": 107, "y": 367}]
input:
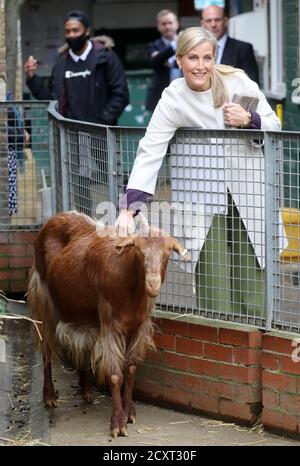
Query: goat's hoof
[
  {"x": 119, "y": 431},
  {"x": 131, "y": 419},
  {"x": 88, "y": 397},
  {"x": 51, "y": 403}
]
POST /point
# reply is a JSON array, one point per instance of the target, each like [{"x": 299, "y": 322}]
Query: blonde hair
[{"x": 194, "y": 36}]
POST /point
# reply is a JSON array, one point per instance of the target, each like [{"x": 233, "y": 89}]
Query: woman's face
[{"x": 197, "y": 65}]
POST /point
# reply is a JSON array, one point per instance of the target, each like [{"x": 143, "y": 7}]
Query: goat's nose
[{"x": 153, "y": 283}]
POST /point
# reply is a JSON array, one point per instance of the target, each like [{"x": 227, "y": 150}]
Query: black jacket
[
  {"x": 109, "y": 95},
  {"x": 241, "y": 55},
  {"x": 161, "y": 78}
]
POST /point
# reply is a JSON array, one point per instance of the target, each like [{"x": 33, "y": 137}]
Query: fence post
[
  {"x": 270, "y": 225},
  {"x": 52, "y": 165},
  {"x": 112, "y": 165},
  {"x": 64, "y": 160}
]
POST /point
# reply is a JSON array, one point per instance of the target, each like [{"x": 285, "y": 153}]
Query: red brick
[
  {"x": 270, "y": 399},
  {"x": 18, "y": 286},
  {"x": 234, "y": 337},
  {"x": 233, "y": 391},
  {"x": 290, "y": 423},
  {"x": 191, "y": 383},
  {"x": 147, "y": 372},
  {"x": 147, "y": 390},
  {"x": 21, "y": 261},
  {"x": 3, "y": 239},
  {"x": 164, "y": 341},
  {"x": 270, "y": 361},
  {"x": 5, "y": 274},
  {"x": 248, "y": 357},
  {"x": 203, "y": 402},
  {"x": 288, "y": 365},
  {"x": 3, "y": 262},
  {"x": 217, "y": 352},
  {"x": 188, "y": 346},
  {"x": 22, "y": 237},
  {"x": 279, "y": 420},
  {"x": 203, "y": 332},
  {"x": 277, "y": 344},
  {"x": 279, "y": 382},
  {"x": 18, "y": 274},
  {"x": 174, "y": 327},
  {"x": 29, "y": 250},
  {"x": 14, "y": 249},
  {"x": 176, "y": 361},
  {"x": 4, "y": 285},
  {"x": 153, "y": 357},
  {"x": 176, "y": 396},
  {"x": 240, "y": 411},
  {"x": 240, "y": 374},
  {"x": 200, "y": 366},
  {"x": 290, "y": 403}
]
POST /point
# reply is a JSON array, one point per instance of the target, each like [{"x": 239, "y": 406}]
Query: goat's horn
[{"x": 181, "y": 251}]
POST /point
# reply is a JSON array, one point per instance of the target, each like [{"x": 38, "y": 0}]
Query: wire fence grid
[{"x": 230, "y": 197}]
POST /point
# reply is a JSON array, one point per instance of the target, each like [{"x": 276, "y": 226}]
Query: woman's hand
[
  {"x": 124, "y": 223},
  {"x": 235, "y": 115}
]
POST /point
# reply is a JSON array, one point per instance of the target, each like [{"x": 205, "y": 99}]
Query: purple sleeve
[
  {"x": 133, "y": 197},
  {"x": 255, "y": 121}
]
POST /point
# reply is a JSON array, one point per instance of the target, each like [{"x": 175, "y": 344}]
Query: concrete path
[{"x": 25, "y": 421}]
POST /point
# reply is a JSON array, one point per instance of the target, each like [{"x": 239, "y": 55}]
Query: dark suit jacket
[
  {"x": 161, "y": 78},
  {"x": 241, "y": 55}
]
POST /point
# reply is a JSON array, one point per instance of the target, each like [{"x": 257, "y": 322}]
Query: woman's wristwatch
[{"x": 248, "y": 120}]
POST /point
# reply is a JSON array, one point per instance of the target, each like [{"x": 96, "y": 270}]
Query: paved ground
[{"x": 25, "y": 421}]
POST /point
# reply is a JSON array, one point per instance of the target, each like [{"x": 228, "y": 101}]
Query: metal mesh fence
[
  {"x": 232, "y": 199},
  {"x": 286, "y": 312},
  {"x": 210, "y": 196},
  {"x": 24, "y": 161}
]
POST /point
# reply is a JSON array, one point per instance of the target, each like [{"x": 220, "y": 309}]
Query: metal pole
[
  {"x": 112, "y": 166},
  {"x": 64, "y": 168},
  {"x": 52, "y": 165},
  {"x": 271, "y": 225}
]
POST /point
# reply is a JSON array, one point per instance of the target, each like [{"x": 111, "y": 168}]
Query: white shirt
[
  {"x": 84, "y": 55},
  {"x": 221, "y": 47}
]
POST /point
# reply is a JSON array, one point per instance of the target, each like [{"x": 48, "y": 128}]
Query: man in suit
[
  {"x": 161, "y": 54},
  {"x": 230, "y": 51}
]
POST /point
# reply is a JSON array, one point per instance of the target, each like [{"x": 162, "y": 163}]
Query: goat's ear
[
  {"x": 125, "y": 242},
  {"x": 181, "y": 250}
]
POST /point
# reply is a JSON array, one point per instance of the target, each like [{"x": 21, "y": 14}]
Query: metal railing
[
  {"x": 24, "y": 164},
  {"x": 229, "y": 196}
]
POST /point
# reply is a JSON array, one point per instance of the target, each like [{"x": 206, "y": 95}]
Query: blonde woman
[{"x": 229, "y": 273}]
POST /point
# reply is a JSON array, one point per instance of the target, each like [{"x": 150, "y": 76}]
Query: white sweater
[{"x": 181, "y": 107}]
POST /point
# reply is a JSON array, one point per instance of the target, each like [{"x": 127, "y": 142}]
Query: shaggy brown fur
[{"x": 94, "y": 295}]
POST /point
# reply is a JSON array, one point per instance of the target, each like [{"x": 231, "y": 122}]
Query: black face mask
[{"x": 77, "y": 43}]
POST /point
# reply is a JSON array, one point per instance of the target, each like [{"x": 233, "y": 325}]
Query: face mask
[{"x": 77, "y": 43}]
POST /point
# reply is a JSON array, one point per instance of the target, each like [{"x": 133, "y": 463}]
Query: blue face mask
[{"x": 77, "y": 43}]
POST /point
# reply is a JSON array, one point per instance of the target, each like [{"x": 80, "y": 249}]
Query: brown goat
[{"x": 94, "y": 295}]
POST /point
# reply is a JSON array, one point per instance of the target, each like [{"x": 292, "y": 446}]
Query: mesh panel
[{"x": 24, "y": 160}]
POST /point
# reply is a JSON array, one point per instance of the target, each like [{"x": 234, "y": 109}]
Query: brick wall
[
  {"x": 16, "y": 259},
  {"x": 229, "y": 371},
  {"x": 210, "y": 368},
  {"x": 281, "y": 384}
]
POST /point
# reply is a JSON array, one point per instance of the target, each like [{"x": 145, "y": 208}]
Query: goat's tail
[{"x": 42, "y": 309}]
